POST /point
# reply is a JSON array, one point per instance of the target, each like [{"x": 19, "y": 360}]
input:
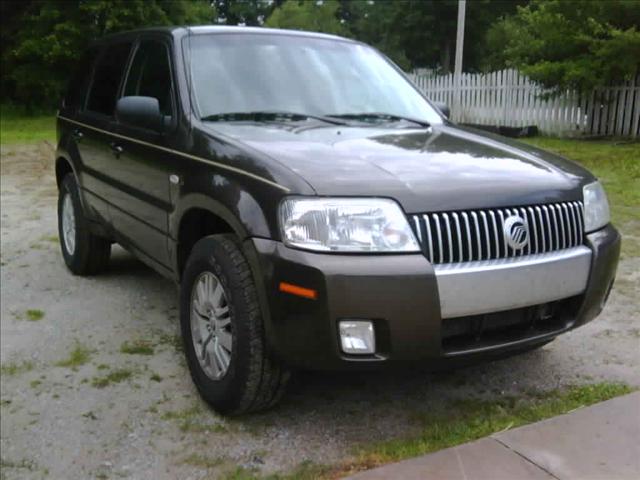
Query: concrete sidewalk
[{"x": 597, "y": 442}]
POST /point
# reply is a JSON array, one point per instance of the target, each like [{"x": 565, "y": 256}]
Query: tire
[
  {"x": 253, "y": 379},
  {"x": 84, "y": 253}
]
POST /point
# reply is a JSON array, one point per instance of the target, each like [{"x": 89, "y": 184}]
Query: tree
[
  {"x": 52, "y": 34},
  {"x": 244, "y": 12},
  {"x": 578, "y": 45},
  {"x": 422, "y": 33},
  {"x": 317, "y": 16}
]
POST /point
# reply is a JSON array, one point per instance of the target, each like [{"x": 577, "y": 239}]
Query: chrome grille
[{"x": 473, "y": 235}]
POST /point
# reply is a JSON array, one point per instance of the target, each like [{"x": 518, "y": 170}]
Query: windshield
[{"x": 234, "y": 73}]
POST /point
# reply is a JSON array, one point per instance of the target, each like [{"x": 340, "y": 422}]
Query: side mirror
[
  {"x": 141, "y": 112},
  {"x": 444, "y": 109}
]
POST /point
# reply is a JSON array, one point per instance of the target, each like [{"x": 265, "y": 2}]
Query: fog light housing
[{"x": 357, "y": 337}]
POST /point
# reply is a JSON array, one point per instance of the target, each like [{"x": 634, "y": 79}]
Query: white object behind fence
[{"x": 507, "y": 98}]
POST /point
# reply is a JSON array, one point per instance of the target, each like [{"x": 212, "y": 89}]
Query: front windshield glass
[{"x": 261, "y": 72}]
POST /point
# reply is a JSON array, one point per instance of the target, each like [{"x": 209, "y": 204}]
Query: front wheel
[
  {"x": 222, "y": 330},
  {"x": 84, "y": 253}
]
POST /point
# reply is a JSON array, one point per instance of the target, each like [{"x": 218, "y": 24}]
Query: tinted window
[
  {"x": 77, "y": 87},
  {"x": 106, "y": 79},
  {"x": 150, "y": 75}
]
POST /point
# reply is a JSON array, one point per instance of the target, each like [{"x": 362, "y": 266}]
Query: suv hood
[{"x": 434, "y": 169}]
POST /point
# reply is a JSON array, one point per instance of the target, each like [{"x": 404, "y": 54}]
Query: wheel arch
[
  {"x": 64, "y": 166},
  {"x": 200, "y": 217}
]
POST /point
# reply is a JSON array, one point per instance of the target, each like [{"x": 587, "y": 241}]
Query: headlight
[
  {"x": 346, "y": 225},
  {"x": 596, "y": 207}
]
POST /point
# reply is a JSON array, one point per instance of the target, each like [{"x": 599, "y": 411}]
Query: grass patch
[
  {"x": 18, "y": 127},
  {"x": 304, "y": 471},
  {"x": 78, "y": 356},
  {"x": 190, "y": 420},
  {"x": 17, "y": 465},
  {"x": 471, "y": 419},
  {"x": 16, "y": 368},
  {"x": 50, "y": 238},
  {"x": 116, "y": 376},
  {"x": 615, "y": 163},
  {"x": 32, "y": 315},
  {"x": 155, "y": 378},
  {"x": 174, "y": 341},
  {"x": 462, "y": 421},
  {"x": 137, "y": 347},
  {"x": 203, "y": 461}
]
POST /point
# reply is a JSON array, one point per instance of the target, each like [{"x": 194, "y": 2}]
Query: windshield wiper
[
  {"x": 380, "y": 116},
  {"x": 267, "y": 116}
]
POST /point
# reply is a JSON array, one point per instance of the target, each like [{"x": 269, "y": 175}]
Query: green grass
[
  {"x": 15, "y": 368},
  {"x": 116, "y": 376},
  {"x": 33, "y": 315},
  {"x": 50, "y": 238},
  {"x": 462, "y": 421},
  {"x": 203, "y": 461},
  {"x": 78, "y": 356},
  {"x": 17, "y": 127},
  {"x": 137, "y": 347},
  {"x": 192, "y": 420},
  {"x": 174, "y": 341},
  {"x": 16, "y": 465},
  {"x": 615, "y": 163},
  {"x": 471, "y": 419}
]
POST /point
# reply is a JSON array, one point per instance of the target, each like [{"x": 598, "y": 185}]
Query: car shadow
[{"x": 367, "y": 406}]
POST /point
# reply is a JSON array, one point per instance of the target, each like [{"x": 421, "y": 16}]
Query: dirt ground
[{"x": 110, "y": 414}]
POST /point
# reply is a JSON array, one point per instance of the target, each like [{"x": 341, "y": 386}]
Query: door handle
[
  {"x": 116, "y": 149},
  {"x": 77, "y": 134}
]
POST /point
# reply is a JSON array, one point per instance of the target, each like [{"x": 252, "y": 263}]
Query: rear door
[
  {"x": 142, "y": 205},
  {"x": 95, "y": 126}
]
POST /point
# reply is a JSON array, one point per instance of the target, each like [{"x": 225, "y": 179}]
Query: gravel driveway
[{"x": 75, "y": 405}]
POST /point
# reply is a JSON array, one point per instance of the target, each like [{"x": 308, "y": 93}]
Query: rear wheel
[
  {"x": 222, "y": 329},
  {"x": 84, "y": 253}
]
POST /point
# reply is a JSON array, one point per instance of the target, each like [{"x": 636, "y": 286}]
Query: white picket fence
[{"x": 507, "y": 98}]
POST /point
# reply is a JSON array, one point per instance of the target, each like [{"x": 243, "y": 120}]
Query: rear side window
[
  {"x": 77, "y": 87},
  {"x": 106, "y": 79},
  {"x": 150, "y": 75}
]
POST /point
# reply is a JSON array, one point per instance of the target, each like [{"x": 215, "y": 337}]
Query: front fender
[{"x": 232, "y": 216}]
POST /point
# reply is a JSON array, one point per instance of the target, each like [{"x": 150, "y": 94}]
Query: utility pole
[
  {"x": 462, "y": 5},
  {"x": 457, "y": 72}
]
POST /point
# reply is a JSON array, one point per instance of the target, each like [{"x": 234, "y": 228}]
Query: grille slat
[
  {"x": 467, "y": 234},
  {"x": 425, "y": 218},
  {"x": 458, "y": 236},
  {"x": 473, "y": 235},
  {"x": 447, "y": 225},
  {"x": 574, "y": 221},
  {"x": 486, "y": 239},
  {"x": 540, "y": 221},
  {"x": 533, "y": 227},
  {"x": 474, "y": 216},
  {"x": 436, "y": 219},
  {"x": 556, "y": 228},
  {"x": 527, "y": 249}
]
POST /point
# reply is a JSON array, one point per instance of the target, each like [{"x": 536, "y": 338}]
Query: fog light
[{"x": 357, "y": 337}]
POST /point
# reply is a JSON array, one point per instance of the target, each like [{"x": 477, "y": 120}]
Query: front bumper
[{"x": 400, "y": 294}]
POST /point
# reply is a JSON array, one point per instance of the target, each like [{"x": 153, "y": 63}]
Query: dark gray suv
[{"x": 317, "y": 211}]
